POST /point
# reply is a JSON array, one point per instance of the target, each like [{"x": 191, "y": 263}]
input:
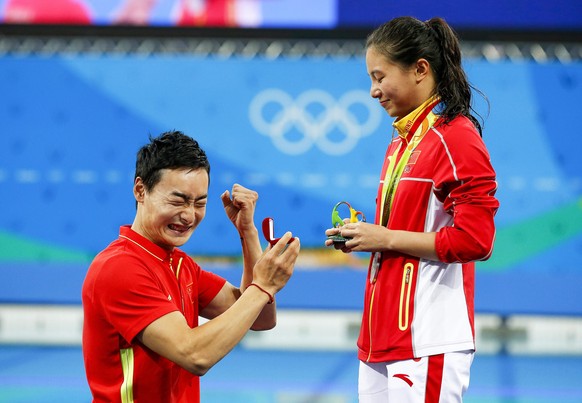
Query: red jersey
[
  {"x": 417, "y": 307},
  {"x": 129, "y": 285}
]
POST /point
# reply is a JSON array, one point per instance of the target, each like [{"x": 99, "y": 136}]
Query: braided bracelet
[{"x": 271, "y": 299}]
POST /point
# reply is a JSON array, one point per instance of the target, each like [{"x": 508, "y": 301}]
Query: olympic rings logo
[{"x": 314, "y": 118}]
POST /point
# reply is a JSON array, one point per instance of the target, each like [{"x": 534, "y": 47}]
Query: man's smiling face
[{"x": 169, "y": 213}]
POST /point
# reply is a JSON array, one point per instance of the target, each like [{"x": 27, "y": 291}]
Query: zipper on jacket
[{"x": 404, "y": 306}]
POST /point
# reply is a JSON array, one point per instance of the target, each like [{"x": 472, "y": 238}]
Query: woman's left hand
[{"x": 364, "y": 237}]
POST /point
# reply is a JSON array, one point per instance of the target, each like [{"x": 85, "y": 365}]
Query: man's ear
[
  {"x": 422, "y": 69},
  {"x": 138, "y": 190}
]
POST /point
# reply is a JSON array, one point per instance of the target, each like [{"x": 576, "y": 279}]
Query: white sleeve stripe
[
  {"x": 409, "y": 178},
  {"x": 488, "y": 255},
  {"x": 448, "y": 153}
]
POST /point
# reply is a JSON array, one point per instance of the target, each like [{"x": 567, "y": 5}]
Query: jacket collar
[
  {"x": 420, "y": 119},
  {"x": 156, "y": 251}
]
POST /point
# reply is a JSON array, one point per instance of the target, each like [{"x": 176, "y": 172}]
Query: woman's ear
[{"x": 422, "y": 69}]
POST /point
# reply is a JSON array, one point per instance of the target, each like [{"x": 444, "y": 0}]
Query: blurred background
[{"x": 276, "y": 92}]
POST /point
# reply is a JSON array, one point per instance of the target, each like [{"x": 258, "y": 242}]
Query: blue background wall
[{"x": 70, "y": 127}]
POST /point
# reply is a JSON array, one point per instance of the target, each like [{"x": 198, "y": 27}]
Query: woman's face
[{"x": 395, "y": 87}]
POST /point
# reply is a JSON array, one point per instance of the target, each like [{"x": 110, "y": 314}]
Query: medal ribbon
[{"x": 395, "y": 167}]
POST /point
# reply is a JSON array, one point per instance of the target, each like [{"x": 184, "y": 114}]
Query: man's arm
[
  {"x": 198, "y": 349},
  {"x": 240, "y": 208}
]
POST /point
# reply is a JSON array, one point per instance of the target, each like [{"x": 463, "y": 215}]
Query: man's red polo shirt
[{"x": 129, "y": 285}]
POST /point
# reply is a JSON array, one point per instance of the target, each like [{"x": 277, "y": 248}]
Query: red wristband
[{"x": 271, "y": 299}]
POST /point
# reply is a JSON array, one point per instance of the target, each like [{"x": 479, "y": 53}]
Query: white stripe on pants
[{"x": 415, "y": 381}]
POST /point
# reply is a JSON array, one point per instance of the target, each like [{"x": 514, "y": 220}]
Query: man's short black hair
[{"x": 170, "y": 150}]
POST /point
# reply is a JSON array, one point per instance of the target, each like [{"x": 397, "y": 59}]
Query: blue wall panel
[{"x": 302, "y": 132}]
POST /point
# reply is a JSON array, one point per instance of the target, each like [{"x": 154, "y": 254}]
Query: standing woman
[{"x": 434, "y": 218}]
